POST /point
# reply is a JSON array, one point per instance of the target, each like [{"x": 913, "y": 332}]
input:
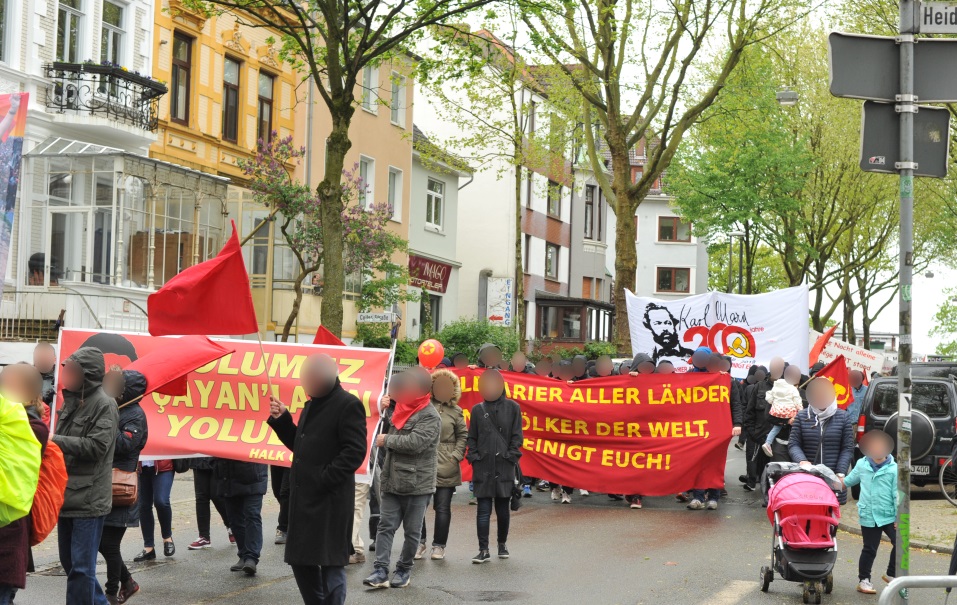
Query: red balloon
[{"x": 431, "y": 353}]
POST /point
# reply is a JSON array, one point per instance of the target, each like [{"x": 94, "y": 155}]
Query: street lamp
[
  {"x": 731, "y": 236},
  {"x": 787, "y": 97}
]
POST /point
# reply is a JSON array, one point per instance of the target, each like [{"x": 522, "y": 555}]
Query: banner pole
[
  {"x": 262, "y": 350},
  {"x": 373, "y": 450}
]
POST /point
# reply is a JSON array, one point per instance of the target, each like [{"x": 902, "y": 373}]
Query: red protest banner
[
  {"x": 224, "y": 412},
  {"x": 653, "y": 435}
]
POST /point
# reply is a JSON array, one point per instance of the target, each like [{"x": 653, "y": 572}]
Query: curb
[{"x": 947, "y": 550}]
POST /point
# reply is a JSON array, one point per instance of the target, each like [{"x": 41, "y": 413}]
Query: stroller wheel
[
  {"x": 767, "y": 576},
  {"x": 829, "y": 584},
  {"x": 807, "y": 595}
]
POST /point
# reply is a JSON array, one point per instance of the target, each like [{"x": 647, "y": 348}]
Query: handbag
[
  {"x": 125, "y": 487},
  {"x": 515, "y": 500}
]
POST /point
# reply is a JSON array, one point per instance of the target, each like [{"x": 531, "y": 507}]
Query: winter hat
[{"x": 639, "y": 359}]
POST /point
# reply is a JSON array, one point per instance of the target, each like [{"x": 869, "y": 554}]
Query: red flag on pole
[
  {"x": 166, "y": 367},
  {"x": 819, "y": 345},
  {"x": 325, "y": 337},
  {"x": 209, "y": 298},
  {"x": 836, "y": 372}
]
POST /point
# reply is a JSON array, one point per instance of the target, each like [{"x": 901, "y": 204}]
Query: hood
[
  {"x": 457, "y": 395},
  {"x": 134, "y": 386},
  {"x": 93, "y": 365},
  {"x": 482, "y": 350},
  {"x": 640, "y": 358}
]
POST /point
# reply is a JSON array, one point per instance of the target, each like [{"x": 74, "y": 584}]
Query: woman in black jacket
[
  {"x": 823, "y": 433},
  {"x": 131, "y": 437}
]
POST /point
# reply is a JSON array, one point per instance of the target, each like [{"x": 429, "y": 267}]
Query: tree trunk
[
  {"x": 296, "y": 303},
  {"x": 519, "y": 311},
  {"x": 330, "y": 193},
  {"x": 626, "y": 233}
]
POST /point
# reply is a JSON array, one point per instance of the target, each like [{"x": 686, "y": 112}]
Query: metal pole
[
  {"x": 730, "y": 262},
  {"x": 907, "y": 105},
  {"x": 740, "y": 264}
]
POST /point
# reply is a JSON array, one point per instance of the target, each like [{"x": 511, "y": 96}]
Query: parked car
[{"x": 933, "y": 420}]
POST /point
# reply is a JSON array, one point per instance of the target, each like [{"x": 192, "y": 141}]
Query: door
[{"x": 68, "y": 249}]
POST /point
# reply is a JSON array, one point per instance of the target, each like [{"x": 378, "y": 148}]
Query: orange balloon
[{"x": 431, "y": 353}]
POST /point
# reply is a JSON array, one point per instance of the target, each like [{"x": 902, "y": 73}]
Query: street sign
[
  {"x": 375, "y": 318},
  {"x": 868, "y": 67},
  {"x": 937, "y": 18},
  {"x": 880, "y": 139}
]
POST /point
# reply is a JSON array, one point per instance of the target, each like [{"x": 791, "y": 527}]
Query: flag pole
[
  {"x": 262, "y": 350},
  {"x": 374, "y": 459}
]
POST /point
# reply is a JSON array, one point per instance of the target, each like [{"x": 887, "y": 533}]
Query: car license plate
[{"x": 920, "y": 469}]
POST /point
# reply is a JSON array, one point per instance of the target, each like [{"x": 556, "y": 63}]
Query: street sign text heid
[{"x": 938, "y": 18}]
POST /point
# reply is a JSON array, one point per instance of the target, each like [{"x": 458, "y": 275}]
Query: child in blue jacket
[{"x": 876, "y": 473}]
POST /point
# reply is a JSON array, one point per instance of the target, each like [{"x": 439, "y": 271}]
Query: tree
[
  {"x": 298, "y": 210},
  {"x": 601, "y": 44},
  {"x": 331, "y": 42},
  {"x": 946, "y": 324},
  {"x": 763, "y": 273}
]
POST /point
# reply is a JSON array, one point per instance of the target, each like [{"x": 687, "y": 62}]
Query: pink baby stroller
[{"x": 804, "y": 513}]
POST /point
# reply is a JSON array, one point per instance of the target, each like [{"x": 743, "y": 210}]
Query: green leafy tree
[
  {"x": 763, "y": 273},
  {"x": 945, "y": 325}
]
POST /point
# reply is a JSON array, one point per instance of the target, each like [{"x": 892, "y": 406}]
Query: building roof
[{"x": 430, "y": 153}]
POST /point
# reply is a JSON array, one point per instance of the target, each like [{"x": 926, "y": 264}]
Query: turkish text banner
[
  {"x": 225, "y": 412},
  {"x": 652, "y": 435}
]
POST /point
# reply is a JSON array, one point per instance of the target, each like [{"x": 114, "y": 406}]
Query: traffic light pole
[{"x": 907, "y": 106}]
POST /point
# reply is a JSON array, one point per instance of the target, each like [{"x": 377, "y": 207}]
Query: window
[
  {"x": 352, "y": 289},
  {"x": 528, "y": 250},
  {"x": 69, "y": 16},
  {"x": 264, "y": 115},
  {"x": 435, "y": 205},
  {"x": 927, "y": 397},
  {"x": 398, "y": 96},
  {"x": 589, "y": 212},
  {"x": 673, "y": 229},
  {"x": 551, "y": 261},
  {"x": 180, "y": 83},
  {"x": 111, "y": 37},
  {"x": 560, "y": 322},
  {"x": 554, "y": 199},
  {"x": 231, "y": 100},
  {"x": 395, "y": 193},
  {"x": 531, "y": 117},
  {"x": 430, "y": 311},
  {"x": 673, "y": 280},
  {"x": 367, "y": 174},
  {"x": 369, "y": 88}
]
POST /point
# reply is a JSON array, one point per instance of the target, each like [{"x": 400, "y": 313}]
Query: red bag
[{"x": 51, "y": 490}]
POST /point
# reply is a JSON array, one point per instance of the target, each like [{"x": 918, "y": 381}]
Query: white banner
[
  {"x": 857, "y": 357},
  {"x": 749, "y": 329}
]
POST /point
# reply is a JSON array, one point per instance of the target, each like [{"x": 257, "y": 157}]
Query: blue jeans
[
  {"x": 706, "y": 494},
  {"x": 7, "y": 593},
  {"x": 78, "y": 540},
  {"x": 321, "y": 585},
  {"x": 154, "y": 491},
  {"x": 246, "y": 521},
  {"x": 395, "y": 511}
]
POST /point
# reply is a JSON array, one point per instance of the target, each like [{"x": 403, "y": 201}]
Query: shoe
[
  {"x": 748, "y": 487},
  {"x": 527, "y": 491},
  {"x": 232, "y": 538},
  {"x": 199, "y": 544},
  {"x": 556, "y": 494},
  {"x": 378, "y": 579},
  {"x": 635, "y": 503},
  {"x": 169, "y": 549},
  {"x": 482, "y": 557},
  {"x": 357, "y": 559},
  {"x": 888, "y": 579},
  {"x": 566, "y": 498},
  {"x": 743, "y": 478},
  {"x": 127, "y": 590},
  {"x": 696, "y": 505},
  {"x": 866, "y": 587},
  {"x": 420, "y": 552},
  {"x": 112, "y": 599},
  {"x": 616, "y": 497},
  {"x": 712, "y": 505},
  {"x": 584, "y": 493},
  {"x": 401, "y": 578},
  {"x": 146, "y": 555},
  {"x": 724, "y": 493},
  {"x": 542, "y": 486},
  {"x": 502, "y": 551},
  {"x": 472, "y": 500},
  {"x": 682, "y": 497},
  {"x": 372, "y": 545},
  {"x": 238, "y": 566},
  {"x": 280, "y": 537},
  {"x": 739, "y": 446},
  {"x": 249, "y": 567},
  {"x": 767, "y": 450},
  {"x": 438, "y": 553}
]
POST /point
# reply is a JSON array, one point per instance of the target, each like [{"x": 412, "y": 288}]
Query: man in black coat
[
  {"x": 757, "y": 424},
  {"x": 328, "y": 445}
]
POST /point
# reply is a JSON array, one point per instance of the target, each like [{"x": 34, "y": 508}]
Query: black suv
[{"x": 934, "y": 416}]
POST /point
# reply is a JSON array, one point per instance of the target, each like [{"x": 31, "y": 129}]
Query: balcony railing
[
  {"x": 28, "y": 316},
  {"x": 104, "y": 91}
]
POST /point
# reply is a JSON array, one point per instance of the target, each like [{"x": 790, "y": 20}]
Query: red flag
[
  {"x": 836, "y": 372},
  {"x": 166, "y": 367},
  {"x": 325, "y": 337},
  {"x": 819, "y": 345},
  {"x": 209, "y": 298}
]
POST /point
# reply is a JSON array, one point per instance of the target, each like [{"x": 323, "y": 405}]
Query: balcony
[{"x": 104, "y": 91}]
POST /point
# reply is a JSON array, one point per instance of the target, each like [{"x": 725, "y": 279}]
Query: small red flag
[
  {"x": 325, "y": 337},
  {"x": 819, "y": 345},
  {"x": 166, "y": 367},
  {"x": 836, "y": 372},
  {"x": 209, "y": 298}
]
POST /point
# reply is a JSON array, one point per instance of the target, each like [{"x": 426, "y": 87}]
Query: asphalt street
[{"x": 592, "y": 551}]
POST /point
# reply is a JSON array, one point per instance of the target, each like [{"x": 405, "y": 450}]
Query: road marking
[{"x": 734, "y": 592}]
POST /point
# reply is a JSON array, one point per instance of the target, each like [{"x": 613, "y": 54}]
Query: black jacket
[
  {"x": 130, "y": 441},
  {"x": 233, "y": 478},
  {"x": 328, "y": 445},
  {"x": 757, "y": 421},
  {"x": 493, "y": 457},
  {"x": 737, "y": 403}
]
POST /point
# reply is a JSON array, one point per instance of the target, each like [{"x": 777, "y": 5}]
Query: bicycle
[{"x": 947, "y": 479}]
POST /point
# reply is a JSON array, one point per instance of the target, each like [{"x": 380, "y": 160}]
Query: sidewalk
[{"x": 933, "y": 520}]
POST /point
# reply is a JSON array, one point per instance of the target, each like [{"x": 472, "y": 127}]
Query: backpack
[{"x": 51, "y": 491}]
